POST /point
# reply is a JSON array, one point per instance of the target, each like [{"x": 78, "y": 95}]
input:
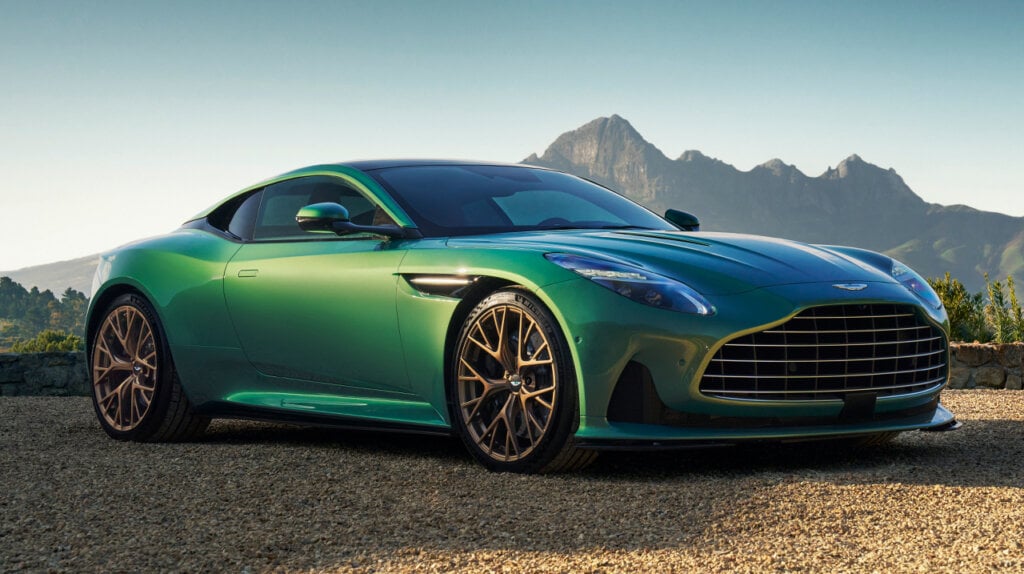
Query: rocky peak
[
  {"x": 874, "y": 181},
  {"x": 780, "y": 168},
  {"x": 604, "y": 141},
  {"x": 692, "y": 155}
]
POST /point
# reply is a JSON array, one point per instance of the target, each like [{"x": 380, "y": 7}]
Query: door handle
[{"x": 248, "y": 272}]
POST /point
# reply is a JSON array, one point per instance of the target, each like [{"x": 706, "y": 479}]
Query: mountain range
[{"x": 856, "y": 203}]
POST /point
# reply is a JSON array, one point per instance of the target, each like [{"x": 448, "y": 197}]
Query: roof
[{"x": 372, "y": 164}]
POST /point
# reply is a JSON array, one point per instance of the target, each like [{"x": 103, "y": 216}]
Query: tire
[
  {"x": 136, "y": 392},
  {"x": 512, "y": 398}
]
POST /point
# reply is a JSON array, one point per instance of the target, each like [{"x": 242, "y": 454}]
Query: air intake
[{"x": 824, "y": 353}]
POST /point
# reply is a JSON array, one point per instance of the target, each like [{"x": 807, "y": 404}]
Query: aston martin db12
[{"x": 536, "y": 315}]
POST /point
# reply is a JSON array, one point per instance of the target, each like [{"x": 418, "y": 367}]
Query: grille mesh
[{"x": 826, "y": 352}]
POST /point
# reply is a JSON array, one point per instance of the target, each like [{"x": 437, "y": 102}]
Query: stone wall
[
  {"x": 986, "y": 366},
  {"x": 53, "y": 374}
]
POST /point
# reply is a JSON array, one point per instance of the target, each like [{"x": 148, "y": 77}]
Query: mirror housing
[
  {"x": 333, "y": 218},
  {"x": 321, "y": 217},
  {"x": 683, "y": 220}
]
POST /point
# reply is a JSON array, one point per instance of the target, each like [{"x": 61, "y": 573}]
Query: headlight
[
  {"x": 637, "y": 284},
  {"x": 915, "y": 284}
]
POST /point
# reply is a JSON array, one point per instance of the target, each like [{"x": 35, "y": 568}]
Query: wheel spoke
[
  {"x": 539, "y": 392},
  {"x": 115, "y": 328},
  {"x": 485, "y": 348},
  {"x": 532, "y": 418},
  {"x": 526, "y": 419},
  {"x": 109, "y": 397},
  {"x": 543, "y": 403},
  {"x": 510, "y": 427}
]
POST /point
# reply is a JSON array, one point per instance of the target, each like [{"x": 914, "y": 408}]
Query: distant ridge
[
  {"x": 74, "y": 273},
  {"x": 856, "y": 203}
]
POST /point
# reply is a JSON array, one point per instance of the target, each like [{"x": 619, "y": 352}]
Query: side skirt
[{"x": 227, "y": 410}]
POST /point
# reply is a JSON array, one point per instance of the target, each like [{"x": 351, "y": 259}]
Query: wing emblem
[{"x": 851, "y": 286}]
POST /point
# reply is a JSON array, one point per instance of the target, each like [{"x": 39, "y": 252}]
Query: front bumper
[{"x": 608, "y": 333}]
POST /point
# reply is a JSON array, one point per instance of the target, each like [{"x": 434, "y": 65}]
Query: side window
[
  {"x": 281, "y": 201},
  {"x": 237, "y": 216},
  {"x": 244, "y": 218}
]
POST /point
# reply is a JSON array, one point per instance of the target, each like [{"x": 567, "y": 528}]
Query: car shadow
[{"x": 982, "y": 453}]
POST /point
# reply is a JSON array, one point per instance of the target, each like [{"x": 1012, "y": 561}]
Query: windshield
[{"x": 469, "y": 199}]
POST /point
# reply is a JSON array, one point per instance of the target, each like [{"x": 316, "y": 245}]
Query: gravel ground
[{"x": 257, "y": 497}]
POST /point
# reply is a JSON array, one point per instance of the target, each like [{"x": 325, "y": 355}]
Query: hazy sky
[{"x": 121, "y": 119}]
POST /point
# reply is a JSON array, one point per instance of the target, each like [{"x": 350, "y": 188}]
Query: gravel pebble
[{"x": 255, "y": 497}]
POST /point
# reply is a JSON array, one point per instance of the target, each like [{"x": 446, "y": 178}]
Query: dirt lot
[{"x": 256, "y": 497}]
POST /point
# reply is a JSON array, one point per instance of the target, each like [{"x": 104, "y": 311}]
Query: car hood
[{"x": 711, "y": 263}]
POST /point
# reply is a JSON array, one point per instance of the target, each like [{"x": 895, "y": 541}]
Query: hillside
[
  {"x": 74, "y": 273},
  {"x": 856, "y": 203}
]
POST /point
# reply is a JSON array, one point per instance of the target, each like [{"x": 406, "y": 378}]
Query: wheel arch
[{"x": 102, "y": 299}]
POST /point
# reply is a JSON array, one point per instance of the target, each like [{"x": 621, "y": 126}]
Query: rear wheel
[
  {"x": 136, "y": 392},
  {"x": 513, "y": 399}
]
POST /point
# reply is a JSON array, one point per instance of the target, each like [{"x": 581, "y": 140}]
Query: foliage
[
  {"x": 965, "y": 310},
  {"x": 1002, "y": 312},
  {"x": 25, "y": 313},
  {"x": 993, "y": 315},
  {"x": 49, "y": 341}
]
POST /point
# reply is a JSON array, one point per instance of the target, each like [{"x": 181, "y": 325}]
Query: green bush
[
  {"x": 49, "y": 341},
  {"x": 1002, "y": 312},
  {"x": 966, "y": 311},
  {"x": 990, "y": 316}
]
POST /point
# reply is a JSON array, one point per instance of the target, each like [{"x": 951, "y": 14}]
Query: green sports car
[{"x": 538, "y": 316}]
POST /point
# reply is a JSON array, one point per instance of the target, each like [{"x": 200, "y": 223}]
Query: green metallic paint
[
  {"x": 340, "y": 328},
  {"x": 330, "y": 327}
]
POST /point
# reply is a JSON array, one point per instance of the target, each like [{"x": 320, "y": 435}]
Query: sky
[{"x": 120, "y": 120}]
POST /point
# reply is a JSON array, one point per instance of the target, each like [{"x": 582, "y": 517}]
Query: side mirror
[
  {"x": 321, "y": 217},
  {"x": 683, "y": 220},
  {"x": 333, "y": 218}
]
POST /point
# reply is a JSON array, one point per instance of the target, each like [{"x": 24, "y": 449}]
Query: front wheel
[
  {"x": 513, "y": 399},
  {"x": 136, "y": 392}
]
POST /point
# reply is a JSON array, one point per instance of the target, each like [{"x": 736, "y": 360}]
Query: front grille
[{"x": 824, "y": 353}]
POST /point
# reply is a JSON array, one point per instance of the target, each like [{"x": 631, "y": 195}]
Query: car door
[{"x": 318, "y": 307}]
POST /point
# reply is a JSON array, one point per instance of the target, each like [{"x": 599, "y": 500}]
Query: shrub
[
  {"x": 990, "y": 316},
  {"x": 49, "y": 341},
  {"x": 1002, "y": 311},
  {"x": 965, "y": 310}
]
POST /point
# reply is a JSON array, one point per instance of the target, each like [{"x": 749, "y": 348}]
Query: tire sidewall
[
  {"x": 566, "y": 412},
  {"x": 165, "y": 371}
]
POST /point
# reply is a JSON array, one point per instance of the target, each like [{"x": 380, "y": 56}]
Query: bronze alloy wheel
[
  {"x": 506, "y": 383},
  {"x": 124, "y": 368}
]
